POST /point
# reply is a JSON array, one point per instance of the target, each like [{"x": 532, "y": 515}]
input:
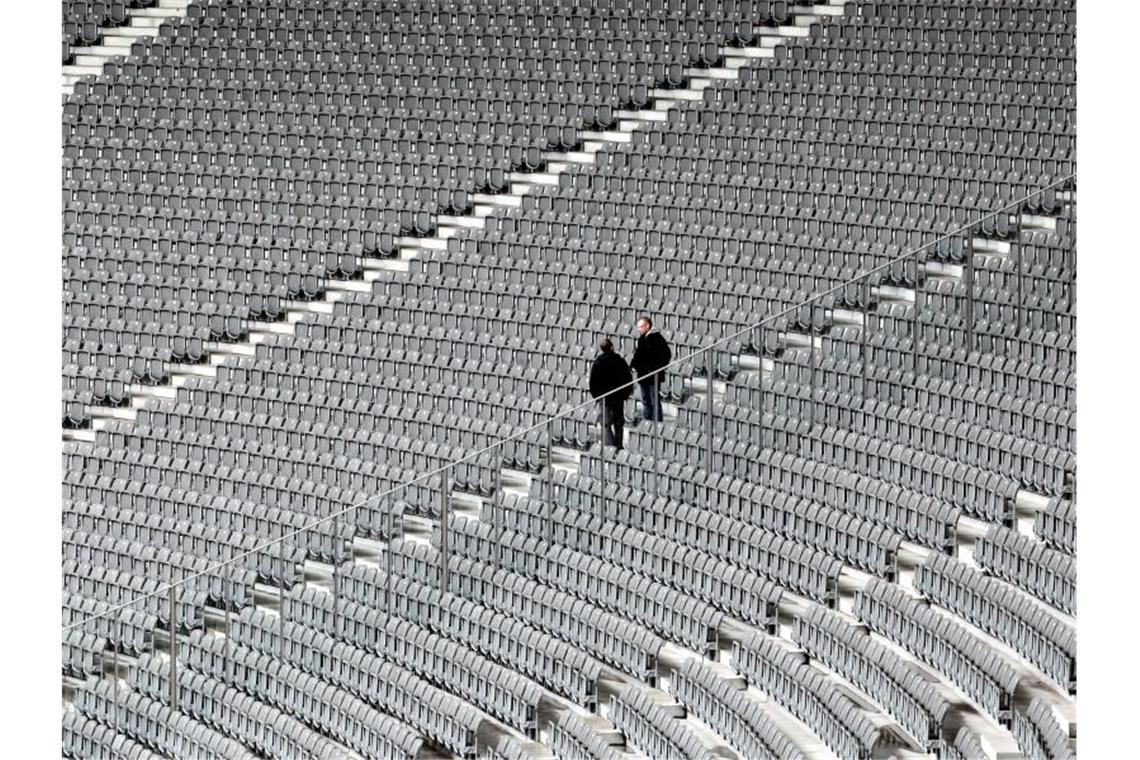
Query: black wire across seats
[
  {"x": 787, "y": 678},
  {"x": 730, "y": 713},
  {"x": 1005, "y": 613}
]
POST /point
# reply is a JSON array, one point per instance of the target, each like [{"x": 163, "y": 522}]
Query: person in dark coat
[
  {"x": 651, "y": 353},
  {"x": 609, "y": 373}
]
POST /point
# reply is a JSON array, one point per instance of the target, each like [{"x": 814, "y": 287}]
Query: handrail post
[
  {"x": 1015, "y": 247},
  {"x": 336, "y": 568},
  {"x": 655, "y": 431},
  {"x": 548, "y": 487},
  {"x": 281, "y": 598},
  {"x": 760, "y": 425},
  {"x": 173, "y": 593},
  {"x": 390, "y": 532},
  {"x": 811, "y": 365},
  {"x": 914, "y": 327},
  {"x": 710, "y": 360},
  {"x": 969, "y": 277},
  {"x": 865, "y": 348},
  {"x": 227, "y": 655},
  {"x": 602, "y": 436},
  {"x": 444, "y": 529},
  {"x": 115, "y": 683}
]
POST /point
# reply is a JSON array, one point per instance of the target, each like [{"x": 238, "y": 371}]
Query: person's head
[
  {"x": 606, "y": 345},
  {"x": 644, "y": 324}
]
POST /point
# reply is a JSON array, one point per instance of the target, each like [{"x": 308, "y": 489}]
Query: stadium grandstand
[{"x": 335, "y": 274}]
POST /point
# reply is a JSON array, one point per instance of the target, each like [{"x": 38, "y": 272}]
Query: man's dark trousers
[{"x": 614, "y": 422}]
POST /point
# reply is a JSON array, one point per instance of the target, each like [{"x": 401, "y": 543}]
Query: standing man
[
  {"x": 609, "y": 373},
  {"x": 652, "y": 353}
]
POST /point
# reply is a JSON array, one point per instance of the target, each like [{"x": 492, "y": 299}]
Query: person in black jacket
[
  {"x": 651, "y": 353},
  {"x": 609, "y": 373}
]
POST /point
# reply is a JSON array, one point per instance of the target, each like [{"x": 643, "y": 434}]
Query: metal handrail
[{"x": 443, "y": 469}]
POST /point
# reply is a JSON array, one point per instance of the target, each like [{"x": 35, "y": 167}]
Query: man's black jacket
[
  {"x": 651, "y": 352},
  {"x": 609, "y": 372}
]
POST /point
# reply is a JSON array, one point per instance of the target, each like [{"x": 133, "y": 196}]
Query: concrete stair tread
[
  {"x": 609, "y": 135},
  {"x": 679, "y": 94},
  {"x": 533, "y": 178},
  {"x": 645, "y": 114}
]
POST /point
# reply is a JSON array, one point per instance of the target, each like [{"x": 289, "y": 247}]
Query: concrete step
[
  {"x": 131, "y": 33},
  {"x": 609, "y": 135},
  {"x": 762, "y": 51},
  {"x": 422, "y": 243},
  {"x": 119, "y": 49},
  {"x": 711, "y": 73},
  {"x": 158, "y": 12},
  {"x": 504, "y": 199},
  {"x": 349, "y": 286},
  {"x": 680, "y": 94},
  {"x": 114, "y": 44},
  {"x": 151, "y": 23},
  {"x": 573, "y": 156},
  {"x": 94, "y": 60},
  {"x": 644, "y": 114},
  {"x": 470, "y": 222},
  {"x": 533, "y": 178},
  {"x": 83, "y": 71}
]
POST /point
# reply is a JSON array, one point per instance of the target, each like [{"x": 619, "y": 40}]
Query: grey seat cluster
[
  {"x": 742, "y": 593},
  {"x": 786, "y": 677},
  {"x": 1047, "y": 574},
  {"x": 571, "y": 738},
  {"x": 1039, "y": 733},
  {"x": 82, "y": 653},
  {"x": 254, "y": 723},
  {"x": 670, "y": 613},
  {"x": 627, "y": 646},
  {"x": 89, "y": 737},
  {"x": 441, "y": 717},
  {"x": 942, "y": 643},
  {"x": 1005, "y": 613},
  {"x": 154, "y": 725},
  {"x": 652, "y": 729},
  {"x": 550, "y": 661},
  {"x": 445, "y": 661},
  {"x": 879, "y": 671},
  {"x": 730, "y": 713},
  {"x": 335, "y": 712},
  {"x": 230, "y": 587}
]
